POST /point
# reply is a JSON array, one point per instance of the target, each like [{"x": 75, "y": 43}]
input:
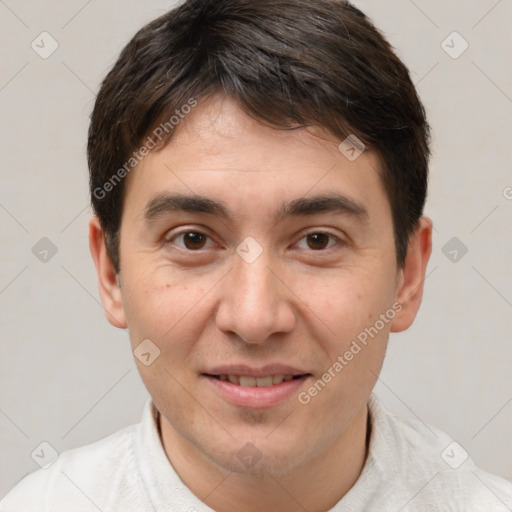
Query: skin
[{"x": 296, "y": 304}]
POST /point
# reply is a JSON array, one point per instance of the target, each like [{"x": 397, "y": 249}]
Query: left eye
[{"x": 319, "y": 241}]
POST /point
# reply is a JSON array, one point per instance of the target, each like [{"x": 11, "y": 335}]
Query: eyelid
[
  {"x": 169, "y": 239},
  {"x": 339, "y": 240}
]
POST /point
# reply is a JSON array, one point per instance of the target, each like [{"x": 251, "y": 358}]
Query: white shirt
[{"x": 129, "y": 471}]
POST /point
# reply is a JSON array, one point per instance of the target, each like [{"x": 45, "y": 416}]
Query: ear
[
  {"x": 110, "y": 292},
  {"x": 412, "y": 275}
]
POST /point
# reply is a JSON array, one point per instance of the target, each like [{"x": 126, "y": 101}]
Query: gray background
[{"x": 67, "y": 377}]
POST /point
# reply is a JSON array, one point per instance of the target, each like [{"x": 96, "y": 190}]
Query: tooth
[
  {"x": 247, "y": 382},
  {"x": 263, "y": 382},
  {"x": 223, "y": 377},
  {"x": 233, "y": 379},
  {"x": 277, "y": 379},
  {"x": 288, "y": 377}
]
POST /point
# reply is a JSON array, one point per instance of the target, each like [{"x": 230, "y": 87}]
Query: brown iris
[
  {"x": 194, "y": 240},
  {"x": 318, "y": 240}
]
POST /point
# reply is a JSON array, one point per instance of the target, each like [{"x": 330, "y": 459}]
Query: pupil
[
  {"x": 193, "y": 240},
  {"x": 319, "y": 240}
]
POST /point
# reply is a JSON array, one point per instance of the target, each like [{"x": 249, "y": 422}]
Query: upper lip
[{"x": 248, "y": 371}]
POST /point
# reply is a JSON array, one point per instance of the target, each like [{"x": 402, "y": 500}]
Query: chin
[{"x": 258, "y": 459}]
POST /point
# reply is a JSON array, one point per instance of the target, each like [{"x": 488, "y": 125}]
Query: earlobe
[
  {"x": 108, "y": 280},
  {"x": 412, "y": 276}
]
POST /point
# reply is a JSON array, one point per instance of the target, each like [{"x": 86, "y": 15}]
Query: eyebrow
[{"x": 163, "y": 204}]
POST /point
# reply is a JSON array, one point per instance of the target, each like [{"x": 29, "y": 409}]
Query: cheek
[
  {"x": 354, "y": 349},
  {"x": 345, "y": 303},
  {"x": 168, "y": 312},
  {"x": 355, "y": 344},
  {"x": 161, "y": 306}
]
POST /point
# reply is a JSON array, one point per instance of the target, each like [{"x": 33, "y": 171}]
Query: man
[{"x": 258, "y": 172}]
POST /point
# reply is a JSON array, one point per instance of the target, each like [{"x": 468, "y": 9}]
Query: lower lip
[{"x": 256, "y": 398}]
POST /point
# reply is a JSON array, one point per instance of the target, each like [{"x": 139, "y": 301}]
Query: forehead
[{"x": 219, "y": 151}]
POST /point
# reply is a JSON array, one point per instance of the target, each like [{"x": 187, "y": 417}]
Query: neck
[{"x": 316, "y": 485}]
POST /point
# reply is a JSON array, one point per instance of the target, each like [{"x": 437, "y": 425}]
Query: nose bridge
[
  {"x": 254, "y": 304},
  {"x": 254, "y": 284}
]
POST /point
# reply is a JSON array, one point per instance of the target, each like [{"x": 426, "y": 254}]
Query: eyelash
[{"x": 338, "y": 241}]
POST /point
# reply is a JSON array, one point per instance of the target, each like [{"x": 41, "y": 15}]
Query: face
[{"x": 257, "y": 288}]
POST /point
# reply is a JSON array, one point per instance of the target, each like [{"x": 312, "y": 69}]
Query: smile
[
  {"x": 254, "y": 392},
  {"x": 251, "y": 382}
]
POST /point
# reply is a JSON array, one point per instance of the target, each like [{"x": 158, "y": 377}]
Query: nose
[{"x": 255, "y": 303}]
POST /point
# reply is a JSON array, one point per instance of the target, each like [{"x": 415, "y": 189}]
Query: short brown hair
[{"x": 287, "y": 63}]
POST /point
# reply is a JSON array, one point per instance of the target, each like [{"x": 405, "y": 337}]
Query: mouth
[
  {"x": 255, "y": 389},
  {"x": 253, "y": 382}
]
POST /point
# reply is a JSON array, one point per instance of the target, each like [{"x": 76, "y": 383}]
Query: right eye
[{"x": 189, "y": 240}]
